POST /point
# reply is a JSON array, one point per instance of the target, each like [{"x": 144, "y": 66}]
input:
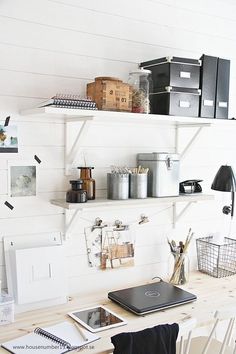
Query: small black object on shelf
[
  {"x": 77, "y": 194},
  {"x": 190, "y": 186}
]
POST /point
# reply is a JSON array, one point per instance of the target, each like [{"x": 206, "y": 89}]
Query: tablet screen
[{"x": 97, "y": 318}]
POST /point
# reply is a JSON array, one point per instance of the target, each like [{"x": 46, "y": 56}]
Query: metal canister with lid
[{"x": 163, "y": 175}]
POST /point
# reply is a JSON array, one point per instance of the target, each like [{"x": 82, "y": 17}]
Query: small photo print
[
  {"x": 8, "y": 139},
  {"x": 22, "y": 181}
]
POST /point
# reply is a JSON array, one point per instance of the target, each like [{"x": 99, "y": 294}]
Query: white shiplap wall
[{"x": 58, "y": 46}]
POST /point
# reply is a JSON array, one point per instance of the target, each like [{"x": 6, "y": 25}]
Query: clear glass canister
[{"x": 140, "y": 80}]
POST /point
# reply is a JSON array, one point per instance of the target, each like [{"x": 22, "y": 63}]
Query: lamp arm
[{"x": 232, "y": 206}]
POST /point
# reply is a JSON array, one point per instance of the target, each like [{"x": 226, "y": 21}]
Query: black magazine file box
[
  {"x": 208, "y": 77},
  {"x": 222, "y": 89}
]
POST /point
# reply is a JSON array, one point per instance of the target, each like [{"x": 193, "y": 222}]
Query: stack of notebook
[
  {"x": 69, "y": 101},
  {"x": 57, "y": 339}
]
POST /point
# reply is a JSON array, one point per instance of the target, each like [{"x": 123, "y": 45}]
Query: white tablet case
[
  {"x": 39, "y": 274},
  {"x": 35, "y": 274}
]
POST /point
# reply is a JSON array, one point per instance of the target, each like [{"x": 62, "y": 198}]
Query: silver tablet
[{"x": 98, "y": 318}]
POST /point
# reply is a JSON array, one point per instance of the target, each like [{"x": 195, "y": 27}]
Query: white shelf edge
[
  {"x": 106, "y": 203},
  {"x": 112, "y": 116}
]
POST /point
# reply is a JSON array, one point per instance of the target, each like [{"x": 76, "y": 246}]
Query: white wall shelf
[
  {"x": 107, "y": 203},
  {"x": 119, "y": 117},
  {"x": 87, "y": 117},
  {"x": 104, "y": 204}
]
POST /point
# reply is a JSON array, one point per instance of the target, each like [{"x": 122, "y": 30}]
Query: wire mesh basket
[{"x": 216, "y": 260}]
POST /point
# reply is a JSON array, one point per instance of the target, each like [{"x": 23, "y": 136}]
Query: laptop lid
[{"x": 151, "y": 297}]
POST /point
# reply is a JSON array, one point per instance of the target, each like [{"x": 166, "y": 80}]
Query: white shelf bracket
[
  {"x": 196, "y": 135},
  {"x": 194, "y": 138},
  {"x": 69, "y": 222},
  {"x": 75, "y": 149},
  {"x": 177, "y": 216}
]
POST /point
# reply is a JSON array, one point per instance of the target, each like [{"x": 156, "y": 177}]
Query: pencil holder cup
[
  {"x": 117, "y": 186},
  {"x": 178, "y": 268},
  {"x": 138, "y": 186}
]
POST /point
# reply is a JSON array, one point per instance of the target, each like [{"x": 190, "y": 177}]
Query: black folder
[
  {"x": 222, "y": 89},
  {"x": 208, "y": 77}
]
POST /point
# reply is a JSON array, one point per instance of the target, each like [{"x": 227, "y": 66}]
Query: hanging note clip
[
  {"x": 119, "y": 226},
  {"x": 98, "y": 224},
  {"x": 143, "y": 219}
]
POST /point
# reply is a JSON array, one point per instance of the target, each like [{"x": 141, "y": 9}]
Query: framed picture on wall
[
  {"x": 8, "y": 139},
  {"x": 22, "y": 179}
]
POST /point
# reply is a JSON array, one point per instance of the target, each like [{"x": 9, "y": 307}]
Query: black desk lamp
[{"x": 225, "y": 181}]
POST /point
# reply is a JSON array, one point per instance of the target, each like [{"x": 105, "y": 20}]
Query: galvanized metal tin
[
  {"x": 117, "y": 186},
  {"x": 163, "y": 175},
  {"x": 138, "y": 186}
]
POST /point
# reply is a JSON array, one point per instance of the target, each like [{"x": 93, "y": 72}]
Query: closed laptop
[{"x": 151, "y": 297}]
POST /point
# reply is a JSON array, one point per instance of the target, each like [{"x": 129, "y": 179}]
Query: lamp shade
[{"x": 224, "y": 180}]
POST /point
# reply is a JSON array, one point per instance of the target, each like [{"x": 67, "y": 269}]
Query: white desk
[{"x": 212, "y": 294}]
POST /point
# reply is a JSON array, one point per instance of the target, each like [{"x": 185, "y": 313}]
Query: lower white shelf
[
  {"x": 103, "y": 204},
  {"x": 107, "y": 203}
]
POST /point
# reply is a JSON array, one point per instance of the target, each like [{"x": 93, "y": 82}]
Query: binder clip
[
  {"x": 119, "y": 226},
  {"x": 143, "y": 219},
  {"x": 98, "y": 224}
]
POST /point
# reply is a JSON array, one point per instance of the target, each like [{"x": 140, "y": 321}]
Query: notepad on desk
[{"x": 57, "y": 339}]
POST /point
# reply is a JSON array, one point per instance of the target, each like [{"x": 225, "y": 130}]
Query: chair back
[
  {"x": 226, "y": 314},
  {"x": 185, "y": 335}
]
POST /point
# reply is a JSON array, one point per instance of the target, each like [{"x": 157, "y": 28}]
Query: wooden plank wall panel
[{"x": 59, "y": 46}]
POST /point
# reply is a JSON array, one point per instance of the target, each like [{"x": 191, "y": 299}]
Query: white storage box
[
  {"x": 163, "y": 175},
  {"x": 6, "y": 309}
]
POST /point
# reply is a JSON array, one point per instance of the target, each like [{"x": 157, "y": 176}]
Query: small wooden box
[{"x": 110, "y": 94}]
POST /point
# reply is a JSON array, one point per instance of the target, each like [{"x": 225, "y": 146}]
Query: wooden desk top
[{"x": 212, "y": 294}]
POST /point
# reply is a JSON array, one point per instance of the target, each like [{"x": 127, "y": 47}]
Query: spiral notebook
[
  {"x": 57, "y": 339},
  {"x": 69, "y": 101}
]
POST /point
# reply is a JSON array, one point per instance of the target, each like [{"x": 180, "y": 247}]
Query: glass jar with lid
[
  {"x": 88, "y": 181},
  {"x": 140, "y": 80},
  {"x": 76, "y": 194}
]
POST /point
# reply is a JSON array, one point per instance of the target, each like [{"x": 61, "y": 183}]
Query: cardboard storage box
[{"x": 110, "y": 94}]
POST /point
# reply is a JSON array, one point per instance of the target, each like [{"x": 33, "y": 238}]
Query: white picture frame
[{"x": 22, "y": 179}]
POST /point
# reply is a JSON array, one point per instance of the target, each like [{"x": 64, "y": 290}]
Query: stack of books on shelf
[{"x": 69, "y": 101}]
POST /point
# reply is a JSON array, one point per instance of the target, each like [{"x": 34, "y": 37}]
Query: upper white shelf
[
  {"x": 110, "y": 116},
  {"x": 107, "y": 203}
]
